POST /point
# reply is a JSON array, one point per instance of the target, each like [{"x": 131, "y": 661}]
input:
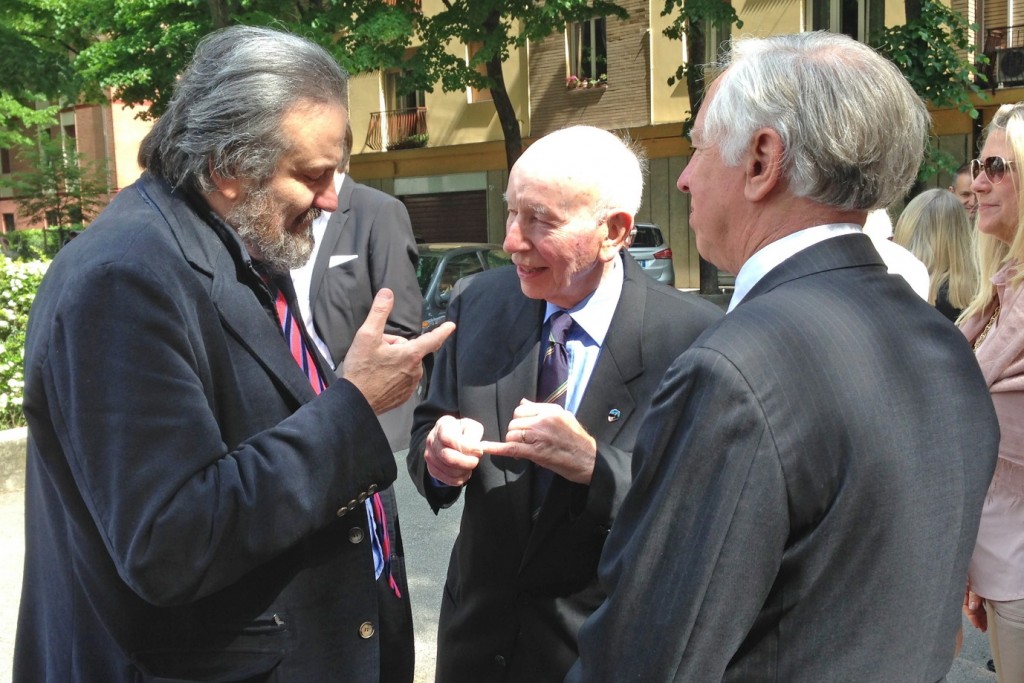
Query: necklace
[{"x": 988, "y": 327}]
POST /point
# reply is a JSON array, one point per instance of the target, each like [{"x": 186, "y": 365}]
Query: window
[
  {"x": 394, "y": 100},
  {"x": 588, "y": 50},
  {"x": 484, "y": 94},
  {"x": 8, "y": 225},
  {"x": 5, "y": 160},
  {"x": 856, "y": 18}
]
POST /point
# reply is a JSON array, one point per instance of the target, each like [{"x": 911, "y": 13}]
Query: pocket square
[{"x": 338, "y": 259}]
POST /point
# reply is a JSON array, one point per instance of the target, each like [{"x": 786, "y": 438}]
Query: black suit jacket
[
  {"x": 374, "y": 227},
  {"x": 808, "y": 486},
  {"x": 516, "y": 594},
  {"x": 191, "y": 511}
]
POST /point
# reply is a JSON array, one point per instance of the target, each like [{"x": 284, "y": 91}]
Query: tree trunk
[
  {"x": 502, "y": 103},
  {"x": 695, "y": 46},
  {"x": 912, "y": 8},
  {"x": 220, "y": 14}
]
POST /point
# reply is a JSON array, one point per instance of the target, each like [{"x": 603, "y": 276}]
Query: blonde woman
[
  {"x": 935, "y": 228},
  {"x": 994, "y": 324}
]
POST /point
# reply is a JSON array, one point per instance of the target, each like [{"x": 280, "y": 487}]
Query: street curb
[{"x": 12, "y": 459}]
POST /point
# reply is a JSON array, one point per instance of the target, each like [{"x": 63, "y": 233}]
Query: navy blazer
[
  {"x": 191, "y": 512},
  {"x": 374, "y": 227},
  {"x": 808, "y": 486},
  {"x": 517, "y": 592}
]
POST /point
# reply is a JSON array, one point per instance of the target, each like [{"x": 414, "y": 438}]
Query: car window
[
  {"x": 647, "y": 237},
  {"x": 497, "y": 259},
  {"x": 459, "y": 267},
  {"x": 425, "y": 270}
]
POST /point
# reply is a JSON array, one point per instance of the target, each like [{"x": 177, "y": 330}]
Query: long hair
[
  {"x": 935, "y": 228},
  {"x": 992, "y": 253},
  {"x": 226, "y": 113}
]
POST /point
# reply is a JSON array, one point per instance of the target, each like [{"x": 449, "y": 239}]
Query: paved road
[{"x": 427, "y": 540}]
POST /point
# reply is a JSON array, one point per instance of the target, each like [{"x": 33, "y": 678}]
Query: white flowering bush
[{"x": 19, "y": 281}]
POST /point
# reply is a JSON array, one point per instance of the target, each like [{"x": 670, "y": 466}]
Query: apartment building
[
  {"x": 109, "y": 133},
  {"x": 443, "y": 153}
]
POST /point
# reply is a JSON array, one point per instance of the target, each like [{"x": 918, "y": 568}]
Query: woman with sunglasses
[{"x": 993, "y": 323}]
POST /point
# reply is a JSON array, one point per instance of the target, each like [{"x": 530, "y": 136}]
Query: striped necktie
[
  {"x": 552, "y": 384},
  {"x": 291, "y": 328}
]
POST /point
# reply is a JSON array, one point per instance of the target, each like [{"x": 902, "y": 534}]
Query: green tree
[
  {"x": 59, "y": 186},
  {"x": 496, "y": 26},
  {"x": 934, "y": 51}
]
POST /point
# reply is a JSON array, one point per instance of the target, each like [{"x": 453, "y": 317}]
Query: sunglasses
[{"x": 995, "y": 168}]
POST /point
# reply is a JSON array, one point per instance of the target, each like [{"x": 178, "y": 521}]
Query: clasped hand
[{"x": 543, "y": 433}]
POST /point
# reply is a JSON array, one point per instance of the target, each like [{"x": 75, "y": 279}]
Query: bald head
[{"x": 571, "y": 199}]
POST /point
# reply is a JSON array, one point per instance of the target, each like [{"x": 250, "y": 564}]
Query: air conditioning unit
[{"x": 1010, "y": 67}]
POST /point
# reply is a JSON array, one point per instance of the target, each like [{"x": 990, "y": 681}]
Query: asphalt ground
[{"x": 427, "y": 539}]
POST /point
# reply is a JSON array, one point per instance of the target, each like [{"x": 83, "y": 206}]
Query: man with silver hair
[
  {"x": 544, "y": 464},
  {"x": 809, "y": 480},
  {"x": 203, "y": 501}
]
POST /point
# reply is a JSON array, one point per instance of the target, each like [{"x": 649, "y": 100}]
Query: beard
[{"x": 260, "y": 221}]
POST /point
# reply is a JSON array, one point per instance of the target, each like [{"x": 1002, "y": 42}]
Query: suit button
[
  {"x": 372, "y": 489},
  {"x": 352, "y": 504},
  {"x": 342, "y": 511},
  {"x": 499, "y": 660},
  {"x": 355, "y": 535},
  {"x": 362, "y": 497},
  {"x": 366, "y": 630}
]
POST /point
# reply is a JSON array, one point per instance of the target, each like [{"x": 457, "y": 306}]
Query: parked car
[
  {"x": 649, "y": 248},
  {"x": 442, "y": 264}
]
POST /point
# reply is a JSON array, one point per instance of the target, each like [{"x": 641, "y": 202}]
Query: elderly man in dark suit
[
  {"x": 363, "y": 246},
  {"x": 543, "y": 480},
  {"x": 202, "y": 501},
  {"x": 809, "y": 480}
]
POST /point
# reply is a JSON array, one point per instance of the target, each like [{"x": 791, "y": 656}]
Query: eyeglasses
[{"x": 995, "y": 168}]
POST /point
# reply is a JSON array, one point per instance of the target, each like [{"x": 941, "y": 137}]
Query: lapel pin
[{"x": 614, "y": 414}]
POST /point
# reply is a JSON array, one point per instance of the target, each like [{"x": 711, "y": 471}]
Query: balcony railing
[
  {"x": 1004, "y": 47},
  {"x": 397, "y": 129}
]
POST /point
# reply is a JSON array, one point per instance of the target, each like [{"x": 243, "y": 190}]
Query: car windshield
[{"x": 425, "y": 269}]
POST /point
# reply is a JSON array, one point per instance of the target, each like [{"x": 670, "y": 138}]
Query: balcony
[
  {"x": 1004, "y": 47},
  {"x": 397, "y": 129}
]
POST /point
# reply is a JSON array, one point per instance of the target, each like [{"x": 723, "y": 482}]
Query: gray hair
[
  {"x": 226, "y": 112},
  {"x": 853, "y": 129}
]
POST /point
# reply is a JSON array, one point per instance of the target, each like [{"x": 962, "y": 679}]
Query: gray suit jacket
[
  {"x": 187, "y": 501},
  {"x": 373, "y": 226},
  {"x": 808, "y": 486},
  {"x": 516, "y": 594}
]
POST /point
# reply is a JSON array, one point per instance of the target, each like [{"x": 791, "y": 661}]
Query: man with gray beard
[{"x": 204, "y": 501}]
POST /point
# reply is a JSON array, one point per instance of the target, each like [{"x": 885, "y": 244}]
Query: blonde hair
[
  {"x": 992, "y": 253},
  {"x": 935, "y": 228}
]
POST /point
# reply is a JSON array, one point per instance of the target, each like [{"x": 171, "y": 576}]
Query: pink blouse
[{"x": 997, "y": 566}]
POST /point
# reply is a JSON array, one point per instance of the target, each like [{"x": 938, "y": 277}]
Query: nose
[
  {"x": 980, "y": 184},
  {"x": 683, "y": 183},
  {"x": 514, "y": 241},
  {"x": 327, "y": 198}
]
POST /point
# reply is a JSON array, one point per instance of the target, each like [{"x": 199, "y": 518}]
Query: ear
[
  {"x": 763, "y": 165},
  {"x": 618, "y": 225},
  {"x": 229, "y": 188}
]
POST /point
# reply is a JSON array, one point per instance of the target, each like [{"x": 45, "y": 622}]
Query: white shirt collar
[
  {"x": 594, "y": 313},
  {"x": 771, "y": 255}
]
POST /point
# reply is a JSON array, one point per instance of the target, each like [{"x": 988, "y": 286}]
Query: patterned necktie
[
  {"x": 552, "y": 384},
  {"x": 290, "y": 327}
]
